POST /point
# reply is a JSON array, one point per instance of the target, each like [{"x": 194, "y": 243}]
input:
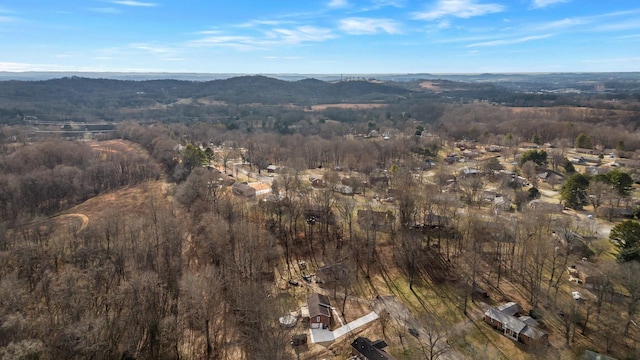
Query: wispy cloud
[
  {"x": 255, "y": 23},
  {"x": 545, "y": 3},
  {"x": 300, "y": 34},
  {"x": 6, "y": 15},
  {"x": 338, "y": 3},
  {"x": 613, "y": 21},
  {"x": 134, "y": 3},
  {"x": 458, "y": 8},
  {"x": 633, "y": 59},
  {"x": 360, "y": 26},
  {"x": 377, "y": 4},
  {"x": 15, "y": 66},
  {"x": 155, "y": 49},
  {"x": 242, "y": 43},
  {"x": 283, "y": 57},
  {"x": 264, "y": 40},
  {"x": 105, "y": 10},
  {"x": 509, "y": 41},
  {"x": 619, "y": 26},
  {"x": 563, "y": 24}
]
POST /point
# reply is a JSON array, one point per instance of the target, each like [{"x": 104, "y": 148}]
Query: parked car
[{"x": 294, "y": 282}]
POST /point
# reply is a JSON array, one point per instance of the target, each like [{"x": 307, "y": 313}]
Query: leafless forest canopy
[{"x": 169, "y": 219}]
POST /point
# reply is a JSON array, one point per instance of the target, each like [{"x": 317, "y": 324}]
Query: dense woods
[{"x": 134, "y": 243}]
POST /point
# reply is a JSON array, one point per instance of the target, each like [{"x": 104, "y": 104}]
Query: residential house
[
  {"x": 528, "y": 145},
  {"x": 590, "y": 355},
  {"x": 272, "y": 168},
  {"x": 375, "y": 220},
  {"x": 319, "y": 214},
  {"x": 316, "y": 181},
  {"x": 518, "y": 328},
  {"x": 365, "y": 349},
  {"x": 343, "y": 189},
  {"x": 331, "y": 273},
  {"x": 470, "y": 154},
  {"x": 319, "y": 311},
  {"x": 437, "y": 220},
  {"x": 260, "y": 188},
  {"x": 609, "y": 212},
  {"x": 630, "y": 163},
  {"x": 586, "y": 151},
  {"x": 243, "y": 189},
  {"x": 450, "y": 159},
  {"x": 470, "y": 172},
  {"x": 549, "y": 176},
  {"x": 589, "y": 276},
  {"x": 596, "y": 170},
  {"x": 545, "y": 206},
  {"x": 381, "y": 180}
]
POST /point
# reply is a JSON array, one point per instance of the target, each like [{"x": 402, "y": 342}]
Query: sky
[{"x": 320, "y": 36}]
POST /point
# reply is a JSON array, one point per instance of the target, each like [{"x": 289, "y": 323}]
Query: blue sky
[{"x": 320, "y": 36}]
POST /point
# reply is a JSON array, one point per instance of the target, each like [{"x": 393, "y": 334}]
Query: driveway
[{"x": 320, "y": 335}]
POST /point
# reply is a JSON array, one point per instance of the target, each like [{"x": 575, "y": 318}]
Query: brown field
[
  {"x": 209, "y": 100},
  {"x": 429, "y": 85},
  {"x": 119, "y": 146},
  {"x": 347, "y": 106},
  {"x": 132, "y": 201}
]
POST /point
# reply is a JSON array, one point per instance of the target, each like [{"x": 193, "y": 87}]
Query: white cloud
[
  {"x": 14, "y": 66},
  {"x": 458, "y": 8},
  {"x": 338, "y": 3},
  {"x": 135, "y": 3},
  {"x": 564, "y": 23},
  {"x": 255, "y": 23},
  {"x": 242, "y": 43},
  {"x": 282, "y": 57},
  {"x": 545, "y": 3},
  {"x": 151, "y": 48},
  {"x": 265, "y": 40},
  {"x": 444, "y": 24},
  {"x": 359, "y": 26},
  {"x": 385, "y": 3},
  {"x": 619, "y": 26},
  {"x": 630, "y": 60},
  {"x": 105, "y": 10},
  {"x": 300, "y": 34},
  {"x": 509, "y": 41}
]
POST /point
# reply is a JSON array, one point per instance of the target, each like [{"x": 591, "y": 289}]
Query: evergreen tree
[
  {"x": 627, "y": 238},
  {"x": 574, "y": 191}
]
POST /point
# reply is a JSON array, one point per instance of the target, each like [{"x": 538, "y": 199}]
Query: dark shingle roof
[
  {"x": 371, "y": 350},
  {"x": 319, "y": 304}
]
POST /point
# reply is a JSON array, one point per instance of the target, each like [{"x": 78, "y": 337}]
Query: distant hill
[{"x": 238, "y": 90}]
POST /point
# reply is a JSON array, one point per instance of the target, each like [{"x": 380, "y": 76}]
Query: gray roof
[
  {"x": 532, "y": 332},
  {"x": 319, "y": 304},
  {"x": 528, "y": 320},
  {"x": 524, "y": 325},
  {"x": 508, "y": 321},
  {"x": 510, "y": 308}
]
